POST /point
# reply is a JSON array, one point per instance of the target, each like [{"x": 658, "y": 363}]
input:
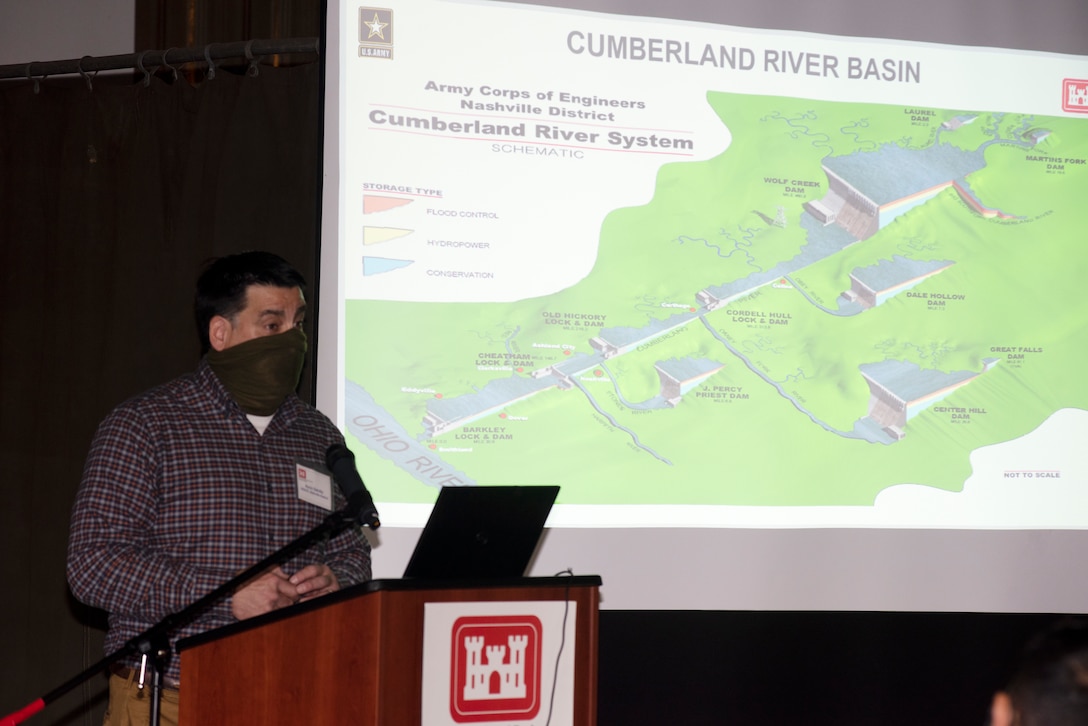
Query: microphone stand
[{"x": 153, "y": 645}]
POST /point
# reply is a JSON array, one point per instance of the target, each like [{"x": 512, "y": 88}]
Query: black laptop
[{"x": 481, "y": 532}]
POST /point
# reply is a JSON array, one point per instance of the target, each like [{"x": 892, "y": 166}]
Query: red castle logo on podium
[{"x": 495, "y": 668}]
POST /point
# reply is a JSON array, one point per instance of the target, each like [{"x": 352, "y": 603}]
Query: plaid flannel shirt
[{"x": 180, "y": 493}]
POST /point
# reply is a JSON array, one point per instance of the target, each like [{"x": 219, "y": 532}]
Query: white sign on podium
[{"x": 498, "y": 663}]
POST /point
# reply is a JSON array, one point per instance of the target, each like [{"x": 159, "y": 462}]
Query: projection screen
[{"x": 793, "y": 319}]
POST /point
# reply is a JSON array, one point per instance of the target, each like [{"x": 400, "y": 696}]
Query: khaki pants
[{"x": 131, "y": 706}]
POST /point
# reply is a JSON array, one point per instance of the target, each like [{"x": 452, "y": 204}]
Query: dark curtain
[
  {"x": 112, "y": 194},
  {"x": 191, "y": 23}
]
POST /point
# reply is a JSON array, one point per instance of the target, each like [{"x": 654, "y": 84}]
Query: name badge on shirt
[{"x": 314, "y": 485}]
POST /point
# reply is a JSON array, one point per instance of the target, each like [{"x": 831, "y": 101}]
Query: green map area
[{"x": 847, "y": 298}]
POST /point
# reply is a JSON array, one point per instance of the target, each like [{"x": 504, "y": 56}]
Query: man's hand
[
  {"x": 313, "y": 581},
  {"x": 263, "y": 594}
]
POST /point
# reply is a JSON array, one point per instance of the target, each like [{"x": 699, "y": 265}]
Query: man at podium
[{"x": 200, "y": 478}]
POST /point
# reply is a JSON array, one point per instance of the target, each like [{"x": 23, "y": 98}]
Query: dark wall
[
  {"x": 111, "y": 197},
  {"x": 812, "y": 668}
]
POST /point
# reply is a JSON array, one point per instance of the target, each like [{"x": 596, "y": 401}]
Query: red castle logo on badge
[
  {"x": 1075, "y": 95},
  {"x": 495, "y": 668}
]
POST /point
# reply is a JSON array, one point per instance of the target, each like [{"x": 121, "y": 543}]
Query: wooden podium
[{"x": 356, "y": 656}]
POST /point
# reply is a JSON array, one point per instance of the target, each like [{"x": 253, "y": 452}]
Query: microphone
[{"x": 341, "y": 463}]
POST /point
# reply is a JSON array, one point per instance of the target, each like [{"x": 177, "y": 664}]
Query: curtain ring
[
  {"x": 253, "y": 70},
  {"x": 29, "y": 77},
  {"x": 87, "y": 78},
  {"x": 173, "y": 70},
  {"x": 140, "y": 65},
  {"x": 208, "y": 59}
]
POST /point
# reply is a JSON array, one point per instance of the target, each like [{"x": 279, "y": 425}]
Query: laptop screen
[{"x": 481, "y": 532}]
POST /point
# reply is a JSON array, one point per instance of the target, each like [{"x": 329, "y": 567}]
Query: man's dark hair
[
  {"x": 1050, "y": 688},
  {"x": 221, "y": 288}
]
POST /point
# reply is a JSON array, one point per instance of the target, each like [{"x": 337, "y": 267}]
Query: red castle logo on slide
[
  {"x": 495, "y": 668},
  {"x": 1075, "y": 95}
]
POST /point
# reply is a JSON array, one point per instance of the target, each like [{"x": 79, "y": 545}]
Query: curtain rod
[{"x": 148, "y": 60}]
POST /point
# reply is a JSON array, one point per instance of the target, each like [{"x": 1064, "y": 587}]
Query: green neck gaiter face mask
[{"x": 260, "y": 373}]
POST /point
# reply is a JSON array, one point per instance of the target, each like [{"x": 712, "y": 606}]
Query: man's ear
[
  {"x": 1001, "y": 710},
  {"x": 219, "y": 332}
]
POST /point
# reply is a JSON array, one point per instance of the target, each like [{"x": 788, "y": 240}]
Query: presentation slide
[{"x": 710, "y": 277}]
